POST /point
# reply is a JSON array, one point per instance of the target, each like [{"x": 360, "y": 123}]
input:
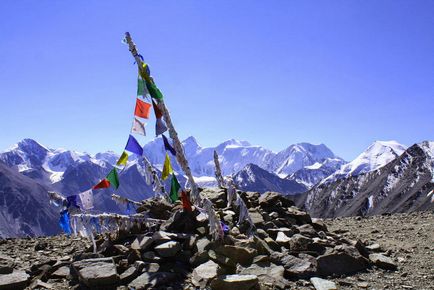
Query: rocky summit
[{"x": 287, "y": 249}]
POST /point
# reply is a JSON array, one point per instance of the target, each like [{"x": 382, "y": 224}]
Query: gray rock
[
  {"x": 7, "y": 264},
  {"x": 168, "y": 249},
  {"x": 239, "y": 282},
  {"x": 346, "y": 261},
  {"x": 15, "y": 280},
  {"x": 102, "y": 274},
  {"x": 257, "y": 218},
  {"x": 299, "y": 267},
  {"x": 149, "y": 280},
  {"x": 382, "y": 261},
  {"x": 202, "y": 244},
  {"x": 300, "y": 216},
  {"x": 141, "y": 243},
  {"x": 150, "y": 257},
  {"x": 62, "y": 272},
  {"x": 268, "y": 274},
  {"x": 282, "y": 239},
  {"x": 322, "y": 284},
  {"x": 238, "y": 254},
  {"x": 299, "y": 243},
  {"x": 204, "y": 273},
  {"x": 129, "y": 275}
]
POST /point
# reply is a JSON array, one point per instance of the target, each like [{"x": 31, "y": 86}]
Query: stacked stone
[{"x": 286, "y": 245}]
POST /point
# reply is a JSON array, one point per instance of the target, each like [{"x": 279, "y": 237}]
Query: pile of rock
[{"x": 286, "y": 246}]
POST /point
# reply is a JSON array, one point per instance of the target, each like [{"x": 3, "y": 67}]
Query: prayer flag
[
  {"x": 186, "y": 204},
  {"x": 154, "y": 91},
  {"x": 142, "y": 109},
  {"x": 160, "y": 127},
  {"x": 113, "y": 178},
  {"x": 167, "y": 146},
  {"x": 174, "y": 188},
  {"x": 102, "y": 184},
  {"x": 147, "y": 72},
  {"x": 142, "y": 90},
  {"x": 138, "y": 127},
  {"x": 134, "y": 146},
  {"x": 123, "y": 159},
  {"x": 167, "y": 168},
  {"x": 157, "y": 111},
  {"x": 86, "y": 198},
  {"x": 64, "y": 222}
]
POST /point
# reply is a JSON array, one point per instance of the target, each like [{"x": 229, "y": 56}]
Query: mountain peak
[{"x": 28, "y": 144}]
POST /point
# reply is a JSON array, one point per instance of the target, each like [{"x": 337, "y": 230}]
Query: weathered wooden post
[
  {"x": 218, "y": 171},
  {"x": 180, "y": 155}
]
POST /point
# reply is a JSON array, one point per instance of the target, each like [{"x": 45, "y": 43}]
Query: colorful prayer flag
[
  {"x": 174, "y": 188},
  {"x": 86, "y": 199},
  {"x": 167, "y": 146},
  {"x": 157, "y": 111},
  {"x": 154, "y": 91},
  {"x": 186, "y": 204},
  {"x": 64, "y": 222},
  {"x": 142, "y": 109},
  {"x": 113, "y": 178},
  {"x": 147, "y": 72},
  {"x": 142, "y": 90},
  {"x": 123, "y": 159},
  {"x": 138, "y": 127},
  {"x": 167, "y": 168},
  {"x": 134, "y": 146},
  {"x": 102, "y": 184},
  {"x": 160, "y": 127}
]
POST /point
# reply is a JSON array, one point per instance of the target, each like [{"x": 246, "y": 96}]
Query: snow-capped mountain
[
  {"x": 313, "y": 174},
  {"x": 254, "y": 178},
  {"x": 375, "y": 156},
  {"x": 404, "y": 184}
]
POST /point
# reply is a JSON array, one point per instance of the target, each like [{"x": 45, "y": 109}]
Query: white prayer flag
[
  {"x": 86, "y": 198},
  {"x": 138, "y": 127}
]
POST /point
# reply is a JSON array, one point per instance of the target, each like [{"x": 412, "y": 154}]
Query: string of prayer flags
[
  {"x": 160, "y": 127},
  {"x": 174, "y": 188},
  {"x": 142, "y": 109},
  {"x": 102, "y": 184},
  {"x": 186, "y": 204},
  {"x": 86, "y": 199},
  {"x": 123, "y": 159},
  {"x": 142, "y": 90},
  {"x": 167, "y": 146},
  {"x": 154, "y": 91},
  {"x": 138, "y": 127},
  {"x": 113, "y": 178},
  {"x": 134, "y": 146},
  {"x": 64, "y": 222},
  {"x": 167, "y": 168}
]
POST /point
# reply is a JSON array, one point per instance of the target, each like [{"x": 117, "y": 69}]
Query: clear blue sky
[{"x": 342, "y": 73}]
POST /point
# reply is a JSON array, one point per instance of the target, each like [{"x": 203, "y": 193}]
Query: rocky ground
[{"x": 288, "y": 251}]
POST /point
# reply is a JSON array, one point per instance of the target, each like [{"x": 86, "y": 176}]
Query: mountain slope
[
  {"x": 24, "y": 206},
  {"x": 254, "y": 178},
  {"x": 402, "y": 185}
]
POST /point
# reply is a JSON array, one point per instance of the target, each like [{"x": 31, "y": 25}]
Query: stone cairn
[{"x": 180, "y": 253}]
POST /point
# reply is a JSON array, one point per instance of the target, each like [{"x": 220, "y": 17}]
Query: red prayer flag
[
  {"x": 142, "y": 109},
  {"x": 186, "y": 204},
  {"x": 103, "y": 184},
  {"x": 158, "y": 113}
]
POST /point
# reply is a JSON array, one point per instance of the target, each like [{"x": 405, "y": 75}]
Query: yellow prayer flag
[
  {"x": 123, "y": 159},
  {"x": 167, "y": 168}
]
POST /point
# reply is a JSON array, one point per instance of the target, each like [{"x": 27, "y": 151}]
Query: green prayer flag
[
  {"x": 174, "y": 188},
  {"x": 141, "y": 87},
  {"x": 113, "y": 178},
  {"x": 154, "y": 91}
]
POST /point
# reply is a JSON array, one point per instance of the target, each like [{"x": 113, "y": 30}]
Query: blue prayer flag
[
  {"x": 134, "y": 146},
  {"x": 167, "y": 146},
  {"x": 64, "y": 222}
]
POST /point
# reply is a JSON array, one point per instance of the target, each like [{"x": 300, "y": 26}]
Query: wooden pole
[
  {"x": 180, "y": 155},
  {"x": 218, "y": 171}
]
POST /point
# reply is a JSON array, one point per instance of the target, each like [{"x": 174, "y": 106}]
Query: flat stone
[
  {"x": 238, "y": 282},
  {"x": 238, "y": 254},
  {"x": 268, "y": 274},
  {"x": 129, "y": 275},
  {"x": 322, "y": 284},
  {"x": 347, "y": 261},
  {"x": 16, "y": 280},
  {"x": 202, "y": 244},
  {"x": 299, "y": 242},
  {"x": 168, "y": 249},
  {"x": 256, "y": 217},
  {"x": 374, "y": 247},
  {"x": 149, "y": 280},
  {"x": 62, "y": 272},
  {"x": 282, "y": 239},
  {"x": 204, "y": 273},
  {"x": 299, "y": 267},
  {"x": 382, "y": 261},
  {"x": 141, "y": 243},
  {"x": 96, "y": 272}
]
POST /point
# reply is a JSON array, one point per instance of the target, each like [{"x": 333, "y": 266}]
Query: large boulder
[{"x": 343, "y": 260}]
